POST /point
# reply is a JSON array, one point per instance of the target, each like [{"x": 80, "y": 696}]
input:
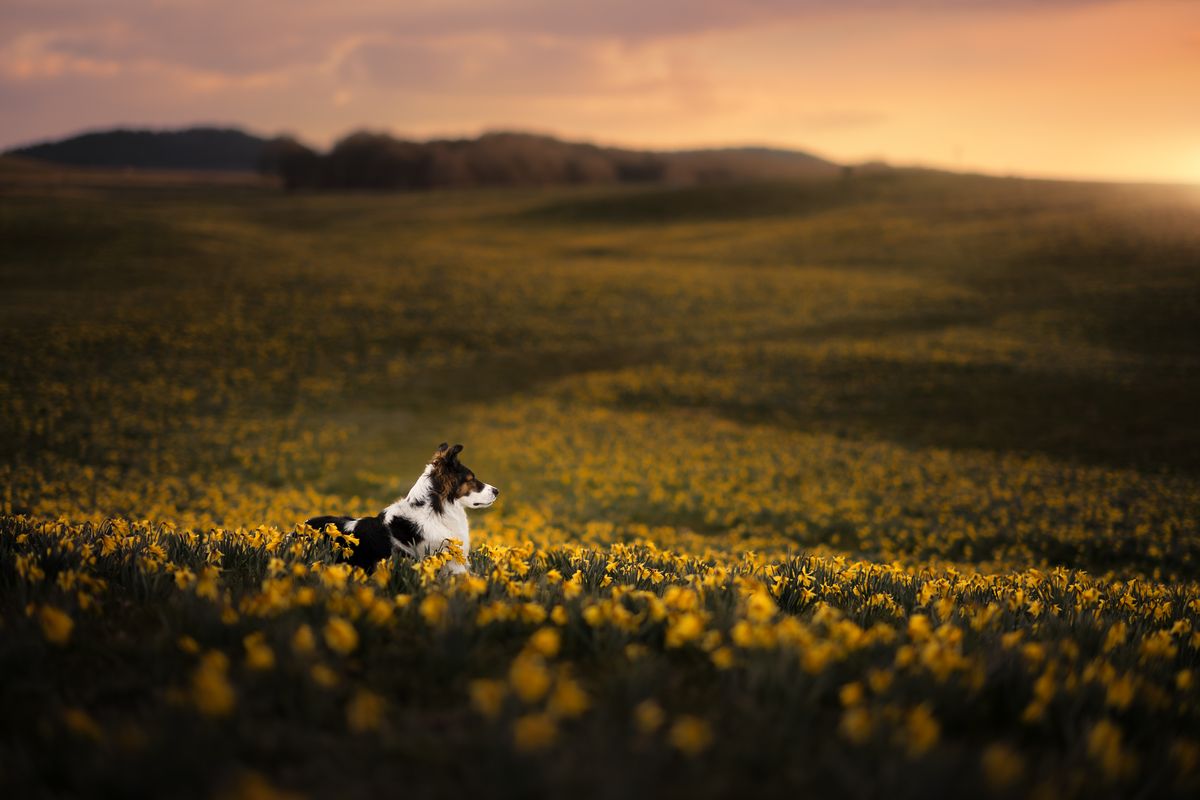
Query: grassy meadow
[{"x": 885, "y": 485}]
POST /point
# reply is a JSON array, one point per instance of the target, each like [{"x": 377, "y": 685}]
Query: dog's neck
[{"x": 422, "y": 491}]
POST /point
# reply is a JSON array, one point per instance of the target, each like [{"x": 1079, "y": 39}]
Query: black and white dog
[{"x": 434, "y": 511}]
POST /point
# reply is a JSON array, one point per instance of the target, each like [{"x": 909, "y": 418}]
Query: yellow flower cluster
[{"x": 904, "y": 649}]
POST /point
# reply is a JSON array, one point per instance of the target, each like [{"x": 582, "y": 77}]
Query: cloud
[
  {"x": 462, "y": 63},
  {"x": 238, "y": 37},
  {"x": 518, "y": 65},
  {"x": 841, "y": 120}
]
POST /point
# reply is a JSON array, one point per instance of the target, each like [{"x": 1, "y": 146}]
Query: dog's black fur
[{"x": 374, "y": 537}]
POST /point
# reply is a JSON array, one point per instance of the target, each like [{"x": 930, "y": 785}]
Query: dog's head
[{"x": 453, "y": 481}]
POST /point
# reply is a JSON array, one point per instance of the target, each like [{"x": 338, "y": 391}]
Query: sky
[{"x": 1106, "y": 89}]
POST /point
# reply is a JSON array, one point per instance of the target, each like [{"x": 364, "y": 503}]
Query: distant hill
[
  {"x": 367, "y": 160},
  {"x": 191, "y": 149}
]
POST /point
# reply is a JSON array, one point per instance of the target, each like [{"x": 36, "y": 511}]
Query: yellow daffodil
[
  {"x": 545, "y": 642},
  {"x": 212, "y": 693},
  {"x": 529, "y": 677},
  {"x": 56, "y": 625},
  {"x": 690, "y": 735},
  {"x": 340, "y": 636},
  {"x": 487, "y": 696}
]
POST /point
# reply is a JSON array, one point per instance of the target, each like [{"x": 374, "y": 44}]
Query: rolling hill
[{"x": 225, "y": 149}]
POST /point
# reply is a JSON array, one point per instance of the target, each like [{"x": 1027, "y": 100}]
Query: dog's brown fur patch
[{"x": 451, "y": 479}]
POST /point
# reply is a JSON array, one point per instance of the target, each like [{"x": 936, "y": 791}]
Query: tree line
[{"x": 366, "y": 160}]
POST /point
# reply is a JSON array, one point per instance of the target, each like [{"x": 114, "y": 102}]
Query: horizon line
[{"x": 874, "y": 159}]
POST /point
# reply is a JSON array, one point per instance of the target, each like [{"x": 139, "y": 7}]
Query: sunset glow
[{"x": 1062, "y": 88}]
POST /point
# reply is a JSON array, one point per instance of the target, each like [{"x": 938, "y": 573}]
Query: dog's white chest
[
  {"x": 433, "y": 528},
  {"x": 451, "y": 525}
]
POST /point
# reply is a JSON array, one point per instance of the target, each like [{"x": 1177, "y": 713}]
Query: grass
[{"x": 896, "y": 470}]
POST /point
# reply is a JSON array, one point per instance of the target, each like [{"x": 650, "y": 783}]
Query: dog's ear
[{"x": 453, "y": 453}]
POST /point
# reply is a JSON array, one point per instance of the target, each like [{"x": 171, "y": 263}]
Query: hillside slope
[{"x": 190, "y": 149}]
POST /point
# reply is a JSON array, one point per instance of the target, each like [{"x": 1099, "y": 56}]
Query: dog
[{"x": 433, "y": 513}]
